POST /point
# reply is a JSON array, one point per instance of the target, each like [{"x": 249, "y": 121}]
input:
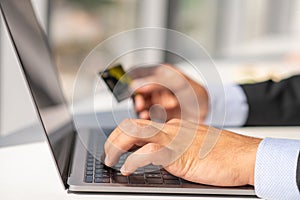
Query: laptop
[{"x": 80, "y": 167}]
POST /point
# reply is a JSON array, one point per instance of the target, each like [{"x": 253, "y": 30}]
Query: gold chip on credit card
[{"x": 117, "y": 81}]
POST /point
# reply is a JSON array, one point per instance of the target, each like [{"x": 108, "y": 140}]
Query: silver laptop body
[{"x": 77, "y": 166}]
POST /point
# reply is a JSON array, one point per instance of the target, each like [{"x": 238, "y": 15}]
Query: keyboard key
[
  {"x": 102, "y": 176},
  {"x": 154, "y": 181},
  {"x": 138, "y": 173},
  {"x": 152, "y": 172},
  {"x": 102, "y": 180},
  {"x": 89, "y": 164},
  {"x": 164, "y": 172},
  {"x": 99, "y": 167},
  {"x": 151, "y": 169},
  {"x": 172, "y": 182},
  {"x": 185, "y": 181},
  {"x": 101, "y": 171},
  {"x": 98, "y": 162},
  {"x": 117, "y": 173},
  {"x": 89, "y": 172},
  {"x": 120, "y": 179},
  {"x": 118, "y": 165},
  {"x": 140, "y": 170},
  {"x": 153, "y": 175},
  {"x": 89, "y": 179},
  {"x": 170, "y": 177},
  {"x": 137, "y": 179},
  {"x": 122, "y": 158},
  {"x": 89, "y": 168}
]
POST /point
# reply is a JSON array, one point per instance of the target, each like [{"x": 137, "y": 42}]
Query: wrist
[{"x": 250, "y": 159}]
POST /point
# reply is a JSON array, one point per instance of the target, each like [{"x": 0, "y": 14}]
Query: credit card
[{"x": 117, "y": 81}]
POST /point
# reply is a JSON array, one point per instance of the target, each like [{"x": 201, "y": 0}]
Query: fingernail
[
  {"x": 141, "y": 115},
  {"x": 107, "y": 161},
  {"x": 123, "y": 170}
]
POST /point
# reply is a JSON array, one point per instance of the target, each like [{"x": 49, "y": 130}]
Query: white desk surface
[{"x": 27, "y": 171}]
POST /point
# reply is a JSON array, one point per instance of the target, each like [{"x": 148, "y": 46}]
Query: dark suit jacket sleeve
[
  {"x": 298, "y": 173},
  {"x": 274, "y": 103}
]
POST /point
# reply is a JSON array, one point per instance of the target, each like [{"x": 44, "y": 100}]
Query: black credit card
[{"x": 117, "y": 81}]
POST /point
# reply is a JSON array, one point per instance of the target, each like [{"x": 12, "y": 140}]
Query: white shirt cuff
[
  {"x": 227, "y": 106},
  {"x": 275, "y": 169}
]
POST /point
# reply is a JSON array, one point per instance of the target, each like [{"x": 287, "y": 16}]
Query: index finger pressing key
[{"x": 129, "y": 133}]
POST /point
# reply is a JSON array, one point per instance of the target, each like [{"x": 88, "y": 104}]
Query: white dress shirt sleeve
[
  {"x": 276, "y": 168},
  {"x": 233, "y": 99}
]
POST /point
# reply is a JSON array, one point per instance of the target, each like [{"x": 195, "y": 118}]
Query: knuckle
[
  {"x": 125, "y": 121},
  {"x": 174, "y": 121},
  {"x": 152, "y": 147}
]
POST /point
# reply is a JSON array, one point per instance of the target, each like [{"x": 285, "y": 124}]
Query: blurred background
[
  {"x": 247, "y": 30},
  {"x": 249, "y": 40}
]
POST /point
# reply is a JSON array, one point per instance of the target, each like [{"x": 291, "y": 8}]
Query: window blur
[
  {"x": 77, "y": 26},
  {"x": 246, "y": 32}
]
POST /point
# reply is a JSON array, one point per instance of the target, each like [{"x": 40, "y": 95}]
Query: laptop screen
[{"x": 35, "y": 58}]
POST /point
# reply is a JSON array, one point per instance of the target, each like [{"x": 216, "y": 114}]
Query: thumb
[{"x": 151, "y": 153}]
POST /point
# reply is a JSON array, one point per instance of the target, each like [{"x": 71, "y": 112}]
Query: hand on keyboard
[{"x": 194, "y": 152}]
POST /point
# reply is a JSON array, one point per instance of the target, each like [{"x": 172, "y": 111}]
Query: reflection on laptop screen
[{"x": 36, "y": 60}]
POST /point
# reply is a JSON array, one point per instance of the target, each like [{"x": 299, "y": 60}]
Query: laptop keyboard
[{"x": 96, "y": 172}]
